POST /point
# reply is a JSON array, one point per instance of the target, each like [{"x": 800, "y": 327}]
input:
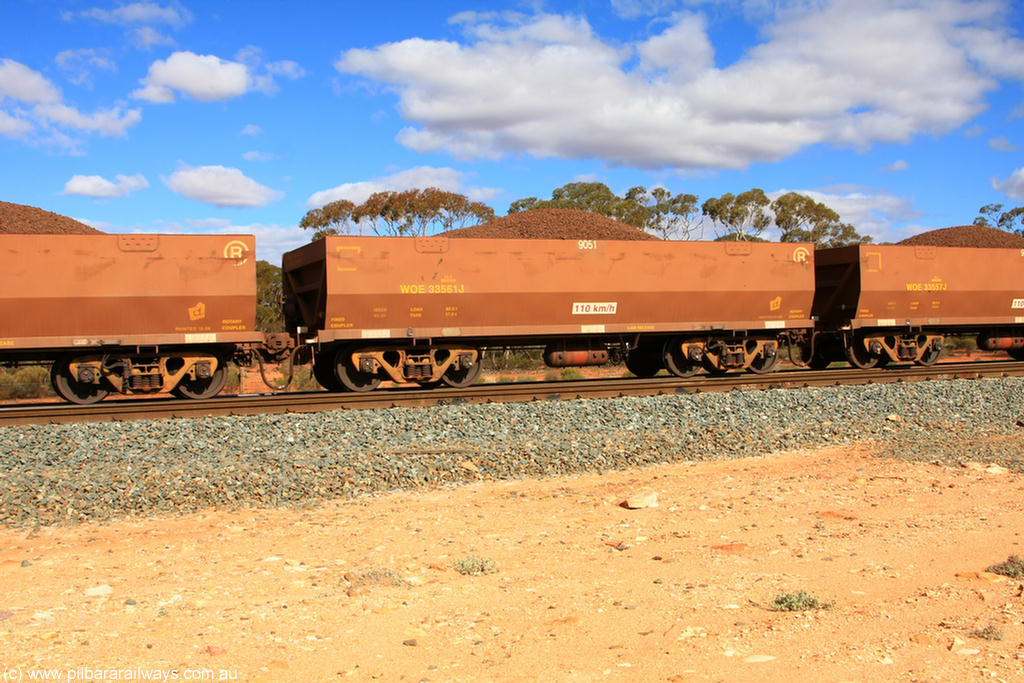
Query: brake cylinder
[
  {"x": 991, "y": 343},
  {"x": 562, "y": 355}
]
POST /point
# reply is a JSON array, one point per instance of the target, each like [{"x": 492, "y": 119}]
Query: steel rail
[{"x": 313, "y": 401}]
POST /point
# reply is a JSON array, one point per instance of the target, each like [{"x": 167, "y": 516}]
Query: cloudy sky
[{"x": 241, "y": 116}]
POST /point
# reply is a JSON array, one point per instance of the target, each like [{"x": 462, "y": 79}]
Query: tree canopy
[
  {"x": 409, "y": 212},
  {"x": 798, "y": 217},
  {"x": 744, "y": 215},
  {"x": 268, "y": 298},
  {"x": 801, "y": 219},
  {"x": 992, "y": 215}
]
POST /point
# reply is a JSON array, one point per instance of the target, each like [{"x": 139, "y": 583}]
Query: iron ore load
[{"x": 144, "y": 314}]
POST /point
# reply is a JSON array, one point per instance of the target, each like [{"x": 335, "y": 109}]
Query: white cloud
[
  {"x": 849, "y": 73},
  {"x": 679, "y": 54},
  {"x": 79, "y": 64},
  {"x": 136, "y": 13},
  {"x": 98, "y": 186},
  {"x": 1012, "y": 187},
  {"x": 251, "y": 129},
  {"x": 209, "y": 78},
  {"x": 421, "y": 177},
  {"x": 147, "y": 37},
  {"x": 254, "y": 155},
  {"x": 48, "y": 112},
  {"x": 897, "y": 166},
  {"x": 109, "y": 122},
  {"x": 139, "y": 19},
  {"x": 220, "y": 186},
  {"x": 204, "y": 77},
  {"x": 1002, "y": 144},
  {"x": 263, "y": 73},
  {"x": 13, "y": 127},
  {"x": 286, "y": 68},
  {"x": 19, "y": 82},
  {"x": 630, "y": 9}
]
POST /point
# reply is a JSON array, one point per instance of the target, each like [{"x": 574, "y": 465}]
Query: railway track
[{"x": 295, "y": 402}]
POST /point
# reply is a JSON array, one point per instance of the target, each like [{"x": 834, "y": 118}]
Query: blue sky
[{"x": 241, "y": 116}]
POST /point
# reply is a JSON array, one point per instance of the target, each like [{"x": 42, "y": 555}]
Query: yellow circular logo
[{"x": 237, "y": 250}]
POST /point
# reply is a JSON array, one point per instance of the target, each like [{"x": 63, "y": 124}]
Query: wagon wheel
[
  {"x": 762, "y": 364},
  {"x": 929, "y": 357},
  {"x": 70, "y": 389},
  {"x": 677, "y": 362},
  {"x": 323, "y": 372},
  {"x": 643, "y": 363},
  {"x": 463, "y": 377},
  {"x": 858, "y": 356},
  {"x": 351, "y": 377},
  {"x": 202, "y": 388}
]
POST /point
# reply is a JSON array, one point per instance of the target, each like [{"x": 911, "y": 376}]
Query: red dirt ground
[{"x": 584, "y": 589}]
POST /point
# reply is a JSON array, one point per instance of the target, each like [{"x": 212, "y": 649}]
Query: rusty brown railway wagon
[
  {"x": 877, "y": 304},
  {"x": 134, "y": 314},
  {"x": 424, "y": 309}
]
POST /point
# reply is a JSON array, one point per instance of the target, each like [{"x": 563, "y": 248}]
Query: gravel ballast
[{"x": 96, "y": 471}]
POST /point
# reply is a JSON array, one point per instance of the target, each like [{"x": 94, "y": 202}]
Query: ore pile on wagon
[
  {"x": 978, "y": 236},
  {"x": 22, "y": 219},
  {"x": 553, "y": 224}
]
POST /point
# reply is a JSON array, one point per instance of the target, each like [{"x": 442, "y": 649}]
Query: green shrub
[
  {"x": 990, "y": 632},
  {"x": 32, "y": 381},
  {"x": 800, "y": 601},
  {"x": 379, "y": 577},
  {"x": 473, "y": 565},
  {"x": 572, "y": 373},
  {"x": 1013, "y": 568},
  {"x": 961, "y": 342},
  {"x": 496, "y": 360}
]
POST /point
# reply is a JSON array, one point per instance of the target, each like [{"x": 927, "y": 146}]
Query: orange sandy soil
[{"x": 585, "y": 590}]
